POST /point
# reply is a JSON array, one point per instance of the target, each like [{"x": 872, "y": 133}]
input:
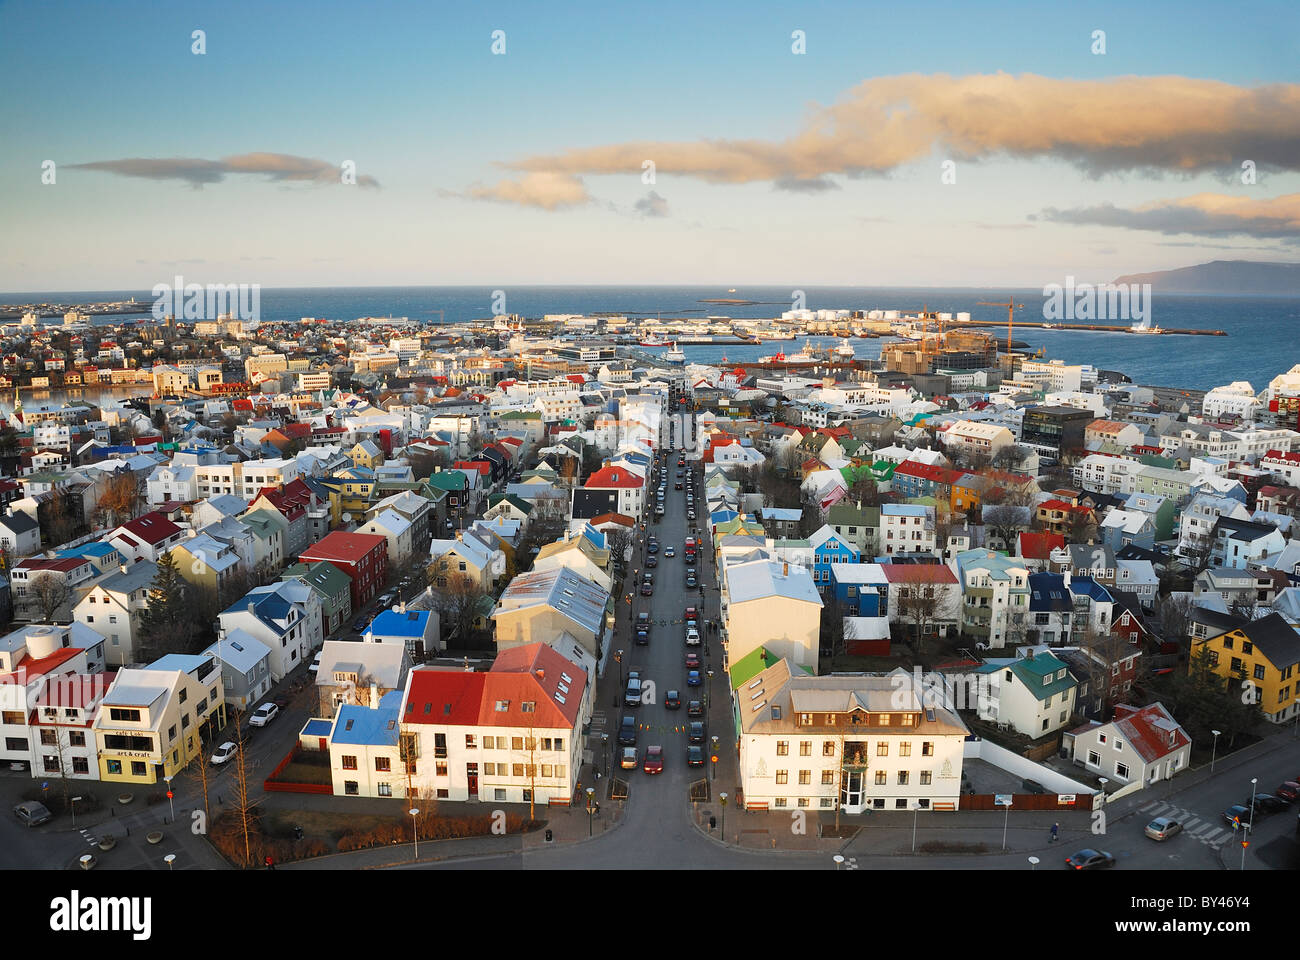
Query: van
[{"x": 632, "y": 697}]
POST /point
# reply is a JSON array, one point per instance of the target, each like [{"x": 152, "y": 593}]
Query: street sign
[{"x": 1002, "y": 800}]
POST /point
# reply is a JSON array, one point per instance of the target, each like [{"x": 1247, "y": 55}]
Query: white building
[
  {"x": 771, "y": 605},
  {"x": 1035, "y": 693}
]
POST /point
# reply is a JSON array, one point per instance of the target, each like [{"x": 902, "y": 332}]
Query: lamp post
[
  {"x": 839, "y": 861},
  {"x": 170, "y": 802},
  {"x": 714, "y": 758},
  {"x": 73, "y": 804},
  {"x": 415, "y": 829},
  {"x": 723, "y": 798},
  {"x": 604, "y": 740},
  {"x": 708, "y": 694},
  {"x": 1253, "y": 781},
  {"x": 621, "y": 681},
  {"x": 1033, "y": 863},
  {"x": 1215, "y": 749},
  {"x": 591, "y": 811},
  {"x": 169, "y": 860},
  {"x": 1295, "y": 731},
  {"x": 916, "y": 813}
]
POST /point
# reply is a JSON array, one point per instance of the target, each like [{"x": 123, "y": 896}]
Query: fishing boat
[{"x": 654, "y": 343}]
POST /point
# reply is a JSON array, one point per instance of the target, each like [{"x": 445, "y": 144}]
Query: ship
[
  {"x": 845, "y": 350},
  {"x": 654, "y": 343},
  {"x": 674, "y": 355},
  {"x": 1144, "y": 327}
]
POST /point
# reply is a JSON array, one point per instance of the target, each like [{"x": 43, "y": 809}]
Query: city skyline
[{"x": 526, "y": 166}]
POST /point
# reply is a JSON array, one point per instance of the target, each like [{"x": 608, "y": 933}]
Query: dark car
[
  {"x": 693, "y": 678},
  {"x": 643, "y": 621},
  {"x": 669, "y": 552},
  {"x": 673, "y": 700},
  {"x": 695, "y": 756},
  {"x": 647, "y": 589},
  {"x": 1238, "y": 815},
  {"x": 1288, "y": 791},
  {"x": 695, "y": 732},
  {"x": 1033, "y": 786},
  {"x": 627, "y": 733},
  {"x": 652, "y": 545},
  {"x": 32, "y": 813},
  {"x": 691, "y": 582},
  {"x": 692, "y": 660},
  {"x": 1267, "y": 803},
  {"x": 651, "y": 562},
  {"x": 642, "y": 638},
  {"x": 360, "y": 625},
  {"x": 695, "y": 708},
  {"x": 1089, "y": 859},
  {"x": 677, "y": 485}
]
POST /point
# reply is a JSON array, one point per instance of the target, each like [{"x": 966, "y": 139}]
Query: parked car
[
  {"x": 651, "y": 561},
  {"x": 1288, "y": 791},
  {"x": 1033, "y": 786},
  {"x": 673, "y": 700},
  {"x": 642, "y": 638},
  {"x": 1238, "y": 815},
  {"x": 32, "y": 813},
  {"x": 647, "y": 589},
  {"x": 627, "y": 732},
  {"x": 695, "y": 708},
  {"x": 692, "y": 613},
  {"x": 695, "y": 732},
  {"x": 690, "y": 514},
  {"x": 315, "y": 663},
  {"x": 387, "y": 599},
  {"x": 1267, "y": 803},
  {"x": 632, "y": 696},
  {"x": 677, "y": 485},
  {"x": 1090, "y": 859},
  {"x": 223, "y": 753},
  {"x": 692, "y": 660},
  {"x": 264, "y": 714},
  {"x": 695, "y": 756},
  {"x": 692, "y": 637},
  {"x": 654, "y": 760},
  {"x": 1162, "y": 828},
  {"x": 693, "y": 678},
  {"x": 359, "y": 626},
  {"x": 652, "y": 545},
  {"x": 691, "y": 582},
  {"x": 630, "y": 758}
]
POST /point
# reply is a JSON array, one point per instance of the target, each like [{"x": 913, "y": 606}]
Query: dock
[{"x": 1090, "y": 327}]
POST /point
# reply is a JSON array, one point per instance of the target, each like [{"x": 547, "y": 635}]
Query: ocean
[{"x": 1259, "y": 344}]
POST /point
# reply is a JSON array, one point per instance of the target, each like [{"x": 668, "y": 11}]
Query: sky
[{"x": 918, "y": 144}]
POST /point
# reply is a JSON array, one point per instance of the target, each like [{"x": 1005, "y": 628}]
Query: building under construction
[{"x": 952, "y": 350}]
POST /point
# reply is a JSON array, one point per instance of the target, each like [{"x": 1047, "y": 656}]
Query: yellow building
[
  {"x": 154, "y": 721},
  {"x": 1264, "y": 653}
]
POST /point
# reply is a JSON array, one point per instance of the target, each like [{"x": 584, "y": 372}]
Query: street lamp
[
  {"x": 1215, "y": 749},
  {"x": 714, "y": 762},
  {"x": 1253, "y": 781},
  {"x": 916, "y": 813},
  {"x": 604, "y": 740},
  {"x": 415, "y": 829},
  {"x": 708, "y": 692},
  {"x": 1295, "y": 731},
  {"x": 74, "y": 810},
  {"x": 1033, "y": 863},
  {"x": 1103, "y": 781},
  {"x": 591, "y": 811},
  {"x": 839, "y": 861},
  {"x": 170, "y": 802},
  {"x": 723, "y": 798},
  {"x": 621, "y": 681},
  {"x": 170, "y": 859}
]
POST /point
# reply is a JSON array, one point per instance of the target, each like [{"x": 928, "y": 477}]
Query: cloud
[
  {"x": 652, "y": 205},
  {"x": 805, "y": 184},
  {"x": 1004, "y": 226},
  {"x": 1148, "y": 124},
  {"x": 1203, "y": 214},
  {"x": 281, "y": 167},
  {"x": 549, "y": 191}
]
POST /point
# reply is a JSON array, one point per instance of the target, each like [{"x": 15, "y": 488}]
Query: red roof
[
  {"x": 1279, "y": 455},
  {"x": 33, "y": 668},
  {"x": 152, "y": 528},
  {"x": 614, "y": 478},
  {"x": 1039, "y": 546},
  {"x": 917, "y": 573},
  {"x": 612, "y": 518},
  {"x": 1149, "y": 740},
  {"x": 443, "y": 697},
  {"x": 343, "y": 547},
  {"x": 482, "y": 466}
]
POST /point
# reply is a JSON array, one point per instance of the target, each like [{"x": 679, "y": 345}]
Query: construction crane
[{"x": 1011, "y": 306}]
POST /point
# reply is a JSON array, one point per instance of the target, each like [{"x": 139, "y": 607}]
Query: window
[
  {"x": 782, "y": 748},
  {"x": 499, "y": 793},
  {"x": 783, "y": 776},
  {"x": 1247, "y": 647},
  {"x": 805, "y": 777},
  {"x": 440, "y": 745},
  {"x": 779, "y": 802},
  {"x": 76, "y": 739},
  {"x": 517, "y": 770},
  {"x": 905, "y": 749},
  {"x": 882, "y": 749},
  {"x": 828, "y": 777},
  {"x": 1121, "y": 770},
  {"x": 805, "y": 748},
  {"x": 828, "y": 748},
  {"x": 383, "y": 764},
  {"x": 927, "y": 748},
  {"x": 440, "y": 769},
  {"x": 902, "y": 778},
  {"x": 137, "y": 768},
  {"x": 115, "y": 713},
  {"x": 349, "y": 763},
  {"x": 925, "y": 778},
  {"x": 49, "y": 738},
  {"x": 1119, "y": 744},
  {"x": 1259, "y": 671},
  {"x": 384, "y": 789},
  {"x": 80, "y": 765},
  {"x": 1094, "y": 758},
  {"x": 882, "y": 778},
  {"x": 490, "y": 769},
  {"x": 471, "y": 741}
]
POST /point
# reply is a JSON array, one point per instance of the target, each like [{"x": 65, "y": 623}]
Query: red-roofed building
[
  {"x": 930, "y": 580},
  {"x": 511, "y": 735},
  {"x": 362, "y": 556},
  {"x": 630, "y": 487},
  {"x": 32, "y": 602},
  {"x": 296, "y": 503},
  {"x": 1284, "y": 465},
  {"x": 1036, "y": 549},
  {"x": 147, "y": 537},
  {"x": 1060, "y": 516},
  {"x": 1140, "y": 745}
]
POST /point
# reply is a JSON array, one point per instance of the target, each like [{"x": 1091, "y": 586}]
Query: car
[
  {"x": 652, "y": 545},
  {"x": 1237, "y": 815},
  {"x": 632, "y": 696},
  {"x": 1089, "y": 859},
  {"x": 264, "y": 714},
  {"x": 1033, "y": 786},
  {"x": 654, "y": 760},
  {"x": 643, "y": 638},
  {"x": 630, "y": 758},
  {"x": 691, "y": 582},
  {"x": 647, "y": 589},
  {"x": 387, "y": 599},
  {"x": 33, "y": 813},
  {"x": 690, "y": 556},
  {"x": 672, "y": 700},
  {"x": 669, "y": 552},
  {"x": 651, "y": 562},
  {"x": 643, "y": 620},
  {"x": 692, "y": 636},
  {"x": 359, "y": 626},
  {"x": 695, "y": 732},
  {"x": 690, "y": 514},
  {"x": 1267, "y": 803},
  {"x": 692, "y": 613},
  {"x": 693, "y": 678},
  {"x": 223, "y": 753},
  {"x": 1162, "y": 828},
  {"x": 692, "y": 660},
  {"x": 677, "y": 485},
  {"x": 695, "y": 756},
  {"x": 1288, "y": 791},
  {"x": 627, "y": 732},
  {"x": 315, "y": 663},
  {"x": 695, "y": 708}
]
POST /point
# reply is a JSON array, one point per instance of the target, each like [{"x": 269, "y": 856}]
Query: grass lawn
[
  {"x": 318, "y": 823},
  {"x": 298, "y": 772}
]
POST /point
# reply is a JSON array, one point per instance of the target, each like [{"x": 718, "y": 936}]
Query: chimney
[
  {"x": 122, "y": 568},
  {"x": 541, "y": 673},
  {"x": 374, "y": 696},
  {"x": 252, "y": 607},
  {"x": 785, "y": 569}
]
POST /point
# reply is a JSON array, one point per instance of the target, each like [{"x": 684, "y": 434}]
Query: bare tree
[
  {"x": 244, "y": 802},
  {"x": 458, "y": 599},
  {"x": 120, "y": 501},
  {"x": 1004, "y": 521},
  {"x": 50, "y": 593},
  {"x": 924, "y": 606}
]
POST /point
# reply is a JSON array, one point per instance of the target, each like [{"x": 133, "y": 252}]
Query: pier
[{"x": 1090, "y": 327}]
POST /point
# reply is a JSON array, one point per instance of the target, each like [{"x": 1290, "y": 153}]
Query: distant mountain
[{"x": 1239, "y": 277}]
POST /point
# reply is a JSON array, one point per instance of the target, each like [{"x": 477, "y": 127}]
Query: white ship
[
  {"x": 674, "y": 355},
  {"x": 845, "y": 350}
]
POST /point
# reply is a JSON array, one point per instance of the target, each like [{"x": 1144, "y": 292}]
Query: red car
[
  {"x": 692, "y": 660},
  {"x": 654, "y": 760},
  {"x": 1289, "y": 791},
  {"x": 692, "y": 613}
]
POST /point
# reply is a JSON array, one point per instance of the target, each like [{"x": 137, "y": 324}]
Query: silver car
[
  {"x": 1162, "y": 828},
  {"x": 32, "y": 813}
]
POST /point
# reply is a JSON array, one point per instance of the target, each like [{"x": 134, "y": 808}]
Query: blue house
[
  {"x": 828, "y": 548},
  {"x": 860, "y": 589}
]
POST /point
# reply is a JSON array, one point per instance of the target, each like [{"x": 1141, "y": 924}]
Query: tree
[
  {"x": 923, "y": 606},
  {"x": 811, "y": 520},
  {"x": 61, "y": 519},
  {"x": 1004, "y": 521},
  {"x": 1175, "y": 611},
  {"x": 1202, "y": 700},
  {"x": 120, "y": 501},
  {"x": 458, "y": 599},
  {"x": 832, "y": 634},
  {"x": 167, "y": 623},
  {"x": 244, "y": 803},
  {"x": 1010, "y": 457},
  {"x": 49, "y": 593}
]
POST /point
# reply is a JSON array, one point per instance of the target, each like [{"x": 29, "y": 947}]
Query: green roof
[
  {"x": 1151, "y": 460},
  {"x": 752, "y": 664},
  {"x": 521, "y": 415},
  {"x": 1032, "y": 672},
  {"x": 452, "y": 480}
]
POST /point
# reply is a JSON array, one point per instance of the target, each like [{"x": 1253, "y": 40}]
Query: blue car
[{"x": 693, "y": 678}]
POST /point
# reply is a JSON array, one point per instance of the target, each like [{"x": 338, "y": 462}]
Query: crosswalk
[
  {"x": 90, "y": 838},
  {"x": 1212, "y": 833}
]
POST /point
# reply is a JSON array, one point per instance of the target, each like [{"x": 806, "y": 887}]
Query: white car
[
  {"x": 264, "y": 714},
  {"x": 692, "y": 637},
  {"x": 315, "y": 664},
  {"x": 223, "y": 752}
]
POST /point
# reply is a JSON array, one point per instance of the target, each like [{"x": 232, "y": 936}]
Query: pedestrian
[
  {"x": 1055, "y": 828},
  {"x": 270, "y": 864}
]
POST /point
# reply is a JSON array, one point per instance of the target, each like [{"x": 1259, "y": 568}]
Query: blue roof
[
  {"x": 362, "y": 726},
  {"x": 316, "y": 727},
  {"x": 97, "y": 549},
  {"x": 1088, "y": 587},
  {"x": 409, "y": 624},
  {"x": 1047, "y": 593},
  {"x": 594, "y": 536}
]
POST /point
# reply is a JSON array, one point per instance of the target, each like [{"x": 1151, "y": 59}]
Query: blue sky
[{"x": 412, "y": 94}]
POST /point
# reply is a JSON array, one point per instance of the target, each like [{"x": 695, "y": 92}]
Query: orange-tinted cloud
[
  {"x": 1203, "y": 214},
  {"x": 549, "y": 191}
]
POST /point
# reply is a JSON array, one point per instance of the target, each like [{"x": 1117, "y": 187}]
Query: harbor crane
[{"x": 1012, "y": 307}]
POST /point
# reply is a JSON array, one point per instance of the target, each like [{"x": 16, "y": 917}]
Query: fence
[
  {"x": 270, "y": 785},
  {"x": 1028, "y": 801}
]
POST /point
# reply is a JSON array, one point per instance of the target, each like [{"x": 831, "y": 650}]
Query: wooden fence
[{"x": 1025, "y": 801}]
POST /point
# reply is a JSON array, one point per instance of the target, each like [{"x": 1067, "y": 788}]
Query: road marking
[{"x": 1154, "y": 807}]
